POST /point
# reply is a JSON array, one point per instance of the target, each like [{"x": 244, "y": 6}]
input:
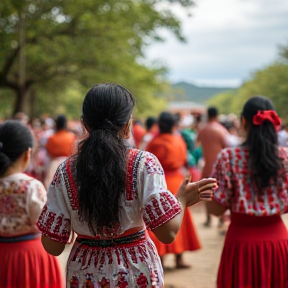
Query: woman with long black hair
[
  {"x": 108, "y": 194},
  {"x": 253, "y": 184}
]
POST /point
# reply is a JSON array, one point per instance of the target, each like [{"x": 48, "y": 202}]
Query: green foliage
[
  {"x": 83, "y": 42},
  {"x": 271, "y": 82},
  {"x": 224, "y": 101}
]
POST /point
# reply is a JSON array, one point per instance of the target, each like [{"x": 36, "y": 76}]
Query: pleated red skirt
[
  {"x": 26, "y": 264},
  {"x": 255, "y": 253}
]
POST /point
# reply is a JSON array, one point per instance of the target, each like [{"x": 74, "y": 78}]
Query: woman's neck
[{"x": 19, "y": 166}]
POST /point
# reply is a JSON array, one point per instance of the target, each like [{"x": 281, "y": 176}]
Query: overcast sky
[{"x": 226, "y": 41}]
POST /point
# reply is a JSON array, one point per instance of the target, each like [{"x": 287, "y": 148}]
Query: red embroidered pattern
[
  {"x": 237, "y": 190},
  {"x": 56, "y": 228},
  {"x": 142, "y": 281},
  {"x": 133, "y": 160},
  {"x": 152, "y": 164},
  {"x": 70, "y": 184},
  {"x": 154, "y": 215}
]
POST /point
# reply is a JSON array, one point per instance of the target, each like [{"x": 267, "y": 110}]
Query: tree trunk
[
  {"x": 32, "y": 104},
  {"x": 22, "y": 89},
  {"x": 21, "y": 95}
]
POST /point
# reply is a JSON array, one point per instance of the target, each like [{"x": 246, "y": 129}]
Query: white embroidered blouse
[
  {"x": 21, "y": 201},
  {"x": 147, "y": 201}
]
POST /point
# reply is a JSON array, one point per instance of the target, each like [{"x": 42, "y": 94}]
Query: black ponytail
[
  {"x": 101, "y": 160},
  {"x": 15, "y": 139},
  {"x": 262, "y": 142}
]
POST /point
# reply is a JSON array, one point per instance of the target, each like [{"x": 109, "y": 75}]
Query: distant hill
[{"x": 183, "y": 91}]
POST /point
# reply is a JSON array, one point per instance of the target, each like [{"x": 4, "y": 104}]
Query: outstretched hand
[{"x": 191, "y": 193}]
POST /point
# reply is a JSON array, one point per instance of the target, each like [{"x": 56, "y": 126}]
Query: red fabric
[
  {"x": 138, "y": 133},
  {"x": 270, "y": 115},
  {"x": 255, "y": 253},
  {"x": 195, "y": 174},
  {"x": 26, "y": 264},
  {"x": 171, "y": 152}
]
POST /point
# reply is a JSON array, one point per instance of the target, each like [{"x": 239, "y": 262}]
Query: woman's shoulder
[
  {"x": 19, "y": 177},
  {"x": 21, "y": 183},
  {"x": 140, "y": 158}
]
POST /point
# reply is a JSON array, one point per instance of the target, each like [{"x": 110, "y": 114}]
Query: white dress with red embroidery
[
  {"x": 147, "y": 204},
  {"x": 22, "y": 199}
]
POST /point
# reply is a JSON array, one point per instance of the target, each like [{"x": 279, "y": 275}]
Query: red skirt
[
  {"x": 255, "y": 253},
  {"x": 26, "y": 264}
]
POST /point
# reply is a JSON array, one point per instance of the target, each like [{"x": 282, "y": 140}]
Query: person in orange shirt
[
  {"x": 170, "y": 149},
  {"x": 59, "y": 146},
  {"x": 61, "y": 143}
]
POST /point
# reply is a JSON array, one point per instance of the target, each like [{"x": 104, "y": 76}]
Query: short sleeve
[
  {"x": 54, "y": 220},
  {"x": 223, "y": 173},
  {"x": 158, "y": 204},
  {"x": 36, "y": 199}
]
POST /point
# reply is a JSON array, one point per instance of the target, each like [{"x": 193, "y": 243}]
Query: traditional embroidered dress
[
  {"x": 171, "y": 152},
  {"x": 255, "y": 253},
  {"x": 24, "y": 262},
  {"x": 117, "y": 258}
]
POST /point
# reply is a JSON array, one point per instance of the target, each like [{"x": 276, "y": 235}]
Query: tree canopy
[
  {"x": 53, "y": 50},
  {"x": 271, "y": 82}
]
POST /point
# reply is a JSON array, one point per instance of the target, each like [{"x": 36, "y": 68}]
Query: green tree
[
  {"x": 48, "y": 44},
  {"x": 271, "y": 82},
  {"x": 224, "y": 101}
]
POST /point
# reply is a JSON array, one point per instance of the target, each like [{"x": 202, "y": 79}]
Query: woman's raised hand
[{"x": 191, "y": 193}]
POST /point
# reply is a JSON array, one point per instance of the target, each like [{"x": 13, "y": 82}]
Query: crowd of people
[{"x": 119, "y": 191}]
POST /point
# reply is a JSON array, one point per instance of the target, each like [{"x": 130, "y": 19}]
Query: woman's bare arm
[{"x": 215, "y": 208}]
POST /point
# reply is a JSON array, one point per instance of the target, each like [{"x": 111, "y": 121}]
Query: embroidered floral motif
[
  {"x": 122, "y": 280},
  {"x": 152, "y": 164},
  {"x": 15, "y": 208},
  {"x": 142, "y": 281},
  {"x": 104, "y": 283},
  {"x": 74, "y": 282}
]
